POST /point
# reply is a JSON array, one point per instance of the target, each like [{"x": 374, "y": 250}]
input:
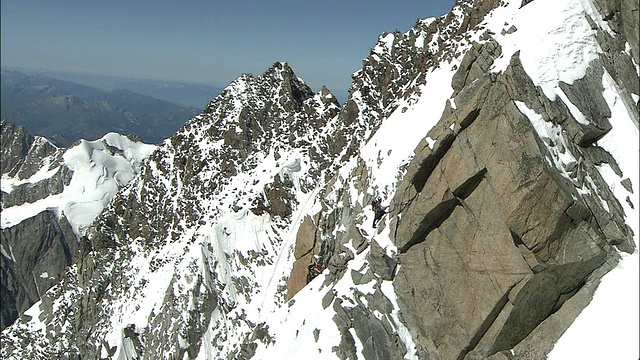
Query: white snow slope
[{"x": 98, "y": 174}]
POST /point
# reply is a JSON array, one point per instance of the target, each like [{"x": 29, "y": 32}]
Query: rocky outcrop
[
  {"x": 38, "y": 252},
  {"x": 378, "y": 339},
  {"x": 16, "y": 143},
  {"x": 622, "y": 16},
  {"x": 493, "y": 239},
  {"x": 22, "y": 157},
  {"x": 306, "y": 240}
]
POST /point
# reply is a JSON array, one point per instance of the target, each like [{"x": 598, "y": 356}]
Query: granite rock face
[
  {"x": 492, "y": 239},
  {"x": 16, "y": 143},
  {"x": 305, "y": 247}
]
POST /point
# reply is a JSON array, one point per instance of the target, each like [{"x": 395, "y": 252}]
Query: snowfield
[{"x": 98, "y": 174}]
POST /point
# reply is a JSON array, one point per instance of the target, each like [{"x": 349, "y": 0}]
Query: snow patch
[
  {"x": 100, "y": 168},
  {"x": 393, "y": 144},
  {"x": 621, "y": 286},
  {"x": 559, "y": 49}
]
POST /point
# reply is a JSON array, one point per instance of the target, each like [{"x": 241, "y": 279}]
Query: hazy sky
[{"x": 204, "y": 41}]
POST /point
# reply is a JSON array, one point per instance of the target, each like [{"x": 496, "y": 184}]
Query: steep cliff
[
  {"x": 499, "y": 143},
  {"x": 36, "y": 252}
]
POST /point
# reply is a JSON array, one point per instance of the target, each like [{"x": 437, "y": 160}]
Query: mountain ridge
[{"x": 505, "y": 210}]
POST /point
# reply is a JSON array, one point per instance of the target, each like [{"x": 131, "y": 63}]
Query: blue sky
[{"x": 203, "y": 41}]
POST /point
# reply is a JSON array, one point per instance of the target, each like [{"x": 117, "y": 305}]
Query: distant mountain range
[
  {"x": 65, "y": 111},
  {"x": 180, "y": 93}
]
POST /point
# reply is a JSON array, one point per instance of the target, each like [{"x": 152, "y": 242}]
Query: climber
[
  {"x": 378, "y": 209},
  {"x": 315, "y": 269}
]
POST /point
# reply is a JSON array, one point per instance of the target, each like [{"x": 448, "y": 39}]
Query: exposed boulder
[
  {"x": 381, "y": 263},
  {"x": 304, "y": 250}
]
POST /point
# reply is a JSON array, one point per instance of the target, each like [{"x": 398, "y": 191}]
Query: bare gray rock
[
  {"x": 492, "y": 239},
  {"x": 40, "y": 249}
]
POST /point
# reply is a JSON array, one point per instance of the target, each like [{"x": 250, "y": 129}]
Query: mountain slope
[
  {"x": 49, "y": 197},
  {"x": 509, "y": 195}
]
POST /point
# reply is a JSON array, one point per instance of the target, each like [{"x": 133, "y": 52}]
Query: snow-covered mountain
[
  {"x": 506, "y": 147},
  {"x": 50, "y": 195}
]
